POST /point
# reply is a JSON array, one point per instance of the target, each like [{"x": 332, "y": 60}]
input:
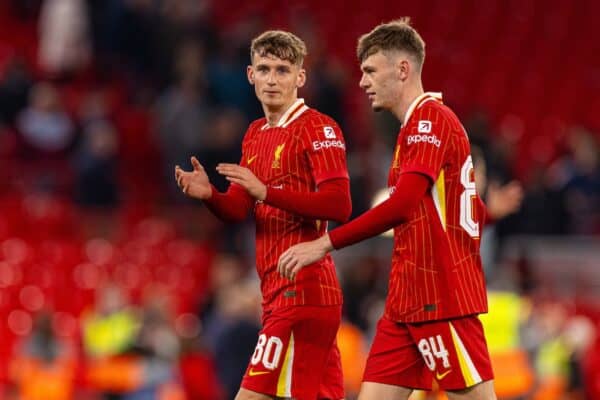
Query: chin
[{"x": 271, "y": 102}]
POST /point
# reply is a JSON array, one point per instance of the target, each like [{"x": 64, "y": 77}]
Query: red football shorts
[
  {"x": 453, "y": 352},
  {"x": 297, "y": 355}
]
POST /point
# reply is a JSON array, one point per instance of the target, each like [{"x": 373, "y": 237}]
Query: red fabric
[
  {"x": 297, "y": 157},
  {"x": 436, "y": 267},
  {"x": 315, "y": 370},
  {"x": 488, "y": 219},
  {"x": 232, "y": 206},
  {"x": 399, "y": 354},
  {"x": 330, "y": 203},
  {"x": 198, "y": 376},
  {"x": 408, "y": 193}
]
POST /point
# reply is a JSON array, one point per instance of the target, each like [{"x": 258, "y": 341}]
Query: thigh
[
  {"x": 245, "y": 394},
  {"x": 481, "y": 391},
  {"x": 382, "y": 391},
  {"x": 454, "y": 351},
  {"x": 332, "y": 383},
  {"x": 292, "y": 352},
  {"x": 394, "y": 359}
]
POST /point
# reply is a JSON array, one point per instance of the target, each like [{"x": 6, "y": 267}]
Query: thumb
[{"x": 196, "y": 164}]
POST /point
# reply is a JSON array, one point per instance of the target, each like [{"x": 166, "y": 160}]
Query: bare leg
[
  {"x": 245, "y": 394},
  {"x": 481, "y": 391},
  {"x": 381, "y": 391}
]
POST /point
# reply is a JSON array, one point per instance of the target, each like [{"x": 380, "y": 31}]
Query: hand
[
  {"x": 194, "y": 183},
  {"x": 245, "y": 178},
  {"x": 504, "y": 200},
  {"x": 297, "y": 257}
]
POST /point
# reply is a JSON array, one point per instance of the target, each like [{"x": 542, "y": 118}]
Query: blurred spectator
[
  {"x": 95, "y": 166},
  {"x": 581, "y": 169},
  {"x": 157, "y": 345},
  {"x": 112, "y": 326},
  {"x": 183, "y": 110},
  {"x": 226, "y": 132},
  {"x": 239, "y": 305},
  {"x": 44, "y": 125},
  {"x": 44, "y": 366},
  {"x": 109, "y": 333},
  {"x": 228, "y": 82},
  {"x": 231, "y": 321},
  {"x": 579, "y": 335},
  {"x": 354, "y": 351},
  {"x": 64, "y": 37},
  {"x": 14, "y": 90}
]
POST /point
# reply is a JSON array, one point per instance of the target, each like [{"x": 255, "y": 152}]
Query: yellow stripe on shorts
[
  {"x": 284, "y": 383},
  {"x": 467, "y": 368}
]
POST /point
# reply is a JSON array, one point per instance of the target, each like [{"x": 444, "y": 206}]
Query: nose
[
  {"x": 363, "y": 82},
  {"x": 271, "y": 78}
]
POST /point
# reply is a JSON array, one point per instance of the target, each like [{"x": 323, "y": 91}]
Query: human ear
[
  {"x": 250, "y": 74},
  {"x": 301, "y": 78}
]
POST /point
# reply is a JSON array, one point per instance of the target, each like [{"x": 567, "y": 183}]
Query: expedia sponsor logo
[
  {"x": 431, "y": 139},
  {"x": 424, "y": 126},
  {"x": 329, "y": 132},
  {"x": 325, "y": 144}
]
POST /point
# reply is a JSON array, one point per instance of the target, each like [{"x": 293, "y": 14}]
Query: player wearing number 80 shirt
[
  {"x": 293, "y": 177},
  {"x": 430, "y": 328}
]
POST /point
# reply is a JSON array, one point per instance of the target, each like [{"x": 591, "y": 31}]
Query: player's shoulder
[
  {"x": 315, "y": 122},
  {"x": 434, "y": 115},
  {"x": 255, "y": 126},
  {"x": 435, "y": 111},
  {"x": 314, "y": 115}
]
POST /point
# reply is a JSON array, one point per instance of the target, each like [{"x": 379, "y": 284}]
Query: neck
[
  {"x": 409, "y": 94},
  {"x": 274, "y": 114}
]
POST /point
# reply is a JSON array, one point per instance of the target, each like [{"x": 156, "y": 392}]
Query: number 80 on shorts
[{"x": 268, "y": 351}]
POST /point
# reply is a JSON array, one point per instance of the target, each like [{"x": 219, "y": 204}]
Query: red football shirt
[
  {"x": 303, "y": 150},
  {"x": 436, "y": 267}
]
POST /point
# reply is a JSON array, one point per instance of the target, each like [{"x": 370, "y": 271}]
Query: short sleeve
[
  {"x": 325, "y": 149},
  {"x": 424, "y": 143}
]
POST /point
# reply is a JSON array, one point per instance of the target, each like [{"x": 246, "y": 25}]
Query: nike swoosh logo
[
  {"x": 251, "y": 159},
  {"x": 252, "y": 372},
  {"x": 439, "y": 376}
]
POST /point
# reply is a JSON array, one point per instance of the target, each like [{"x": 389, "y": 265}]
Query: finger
[
  {"x": 290, "y": 274},
  {"x": 296, "y": 270},
  {"x": 285, "y": 267},
  {"x": 229, "y": 172},
  {"x": 228, "y": 169},
  {"x": 196, "y": 164},
  {"x": 183, "y": 183},
  {"x": 283, "y": 259},
  {"x": 239, "y": 181}
]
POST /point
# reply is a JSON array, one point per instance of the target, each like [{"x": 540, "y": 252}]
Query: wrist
[
  {"x": 262, "y": 193},
  {"x": 325, "y": 243}
]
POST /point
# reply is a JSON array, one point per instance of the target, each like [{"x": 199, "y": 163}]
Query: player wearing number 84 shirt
[{"x": 430, "y": 328}]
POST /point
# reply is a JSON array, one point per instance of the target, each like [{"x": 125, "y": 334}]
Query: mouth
[{"x": 271, "y": 92}]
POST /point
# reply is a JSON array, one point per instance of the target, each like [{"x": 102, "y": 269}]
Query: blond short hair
[
  {"x": 394, "y": 35},
  {"x": 281, "y": 44}
]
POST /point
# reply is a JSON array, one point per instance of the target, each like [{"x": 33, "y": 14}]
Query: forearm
[
  {"x": 331, "y": 202},
  {"x": 410, "y": 190},
  {"x": 231, "y": 206}
]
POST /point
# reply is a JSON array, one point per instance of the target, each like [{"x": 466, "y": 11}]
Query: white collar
[
  {"x": 291, "y": 114},
  {"x": 420, "y": 100}
]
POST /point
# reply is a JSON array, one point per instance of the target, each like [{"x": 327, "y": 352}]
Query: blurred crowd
[{"x": 148, "y": 296}]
